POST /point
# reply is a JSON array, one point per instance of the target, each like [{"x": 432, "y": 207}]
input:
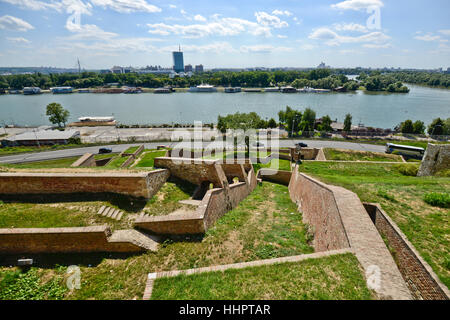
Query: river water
[{"x": 372, "y": 109}]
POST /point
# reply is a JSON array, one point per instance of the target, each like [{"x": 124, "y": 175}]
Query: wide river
[{"x": 371, "y": 109}]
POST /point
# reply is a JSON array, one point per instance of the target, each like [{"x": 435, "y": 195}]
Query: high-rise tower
[{"x": 178, "y": 61}]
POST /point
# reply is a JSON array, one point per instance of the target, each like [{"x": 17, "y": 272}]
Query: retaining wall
[
  {"x": 214, "y": 205},
  {"x": 86, "y": 160},
  {"x": 339, "y": 220},
  {"x": 420, "y": 278},
  {"x": 195, "y": 171},
  {"x": 277, "y": 176},
  {"x": 62, "y": 240},
  {"x": 140, "y": 185},
  {"x": 135, "y": 154}
]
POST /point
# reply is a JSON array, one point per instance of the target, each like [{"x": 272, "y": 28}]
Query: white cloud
[
  {"x": 428, "y": 37},
  {"x": 15, "y": 24},
  {"x": 34, "y": 4},
  {"x": 183, "y": 12},
  {"x": 282, "y": 13},
  {"x": 332, "y": 38},
  {"x": 266, "y": 19},
  {"x": 445, "y": 32},
  {"x": 281, "y": 36},
  {"x": 377, "y": 46},
  {"x": 357, "y": 4},
  {"x": 199, "y": 17},
  {"x": 172, "y": 6},
  {"x": 88, "y": 31},
  {"x": 18, "y": 40},
  {"x": 350, "y": 27},
  {"x": 127, "y": 6},
  {"x": 217, "y": 26},
  {"x": 262, "y": 48}
]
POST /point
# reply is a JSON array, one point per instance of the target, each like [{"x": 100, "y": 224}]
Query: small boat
[
  {"x": 31, "y": 90},
  {"x": 84, "y": 90},
  {"x": 203, "y": 88},
  {"x": 272, "y": 89},
  {"x": 129, "y": 90},
  {"x": 162, "y": 90},
  {"x": 288, "y": 90},
  {"x": 233, "y": 89},
  {"x": 252, "y": 90},
  {"x": 57, "y": 90}
]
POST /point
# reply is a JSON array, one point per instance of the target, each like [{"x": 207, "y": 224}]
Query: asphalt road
[{"x": 49, "y": 155}]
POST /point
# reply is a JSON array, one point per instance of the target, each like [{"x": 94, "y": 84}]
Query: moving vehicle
[
  {"x": 406, "y": 151},
  {"x": 301, "y": 144},
  {"x": 104, "y": 150}
]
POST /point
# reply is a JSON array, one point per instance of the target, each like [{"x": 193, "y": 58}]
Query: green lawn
[
  {"x": 81, "y": 213},
  {"x": 116, "y": 163},
  {"x": 352, "y": 155},
  {"x": 16, "y": 150},
  {"x": 166, "y": 200},
  {"x": 148, "y": 159},
  {"x": 58, "y": 163},
  {"x": 277, "y": 164},
  {"x": 402, "y": 197},
  {"x": 330, "y": 278},
  {"x": 131, "y": 150}
]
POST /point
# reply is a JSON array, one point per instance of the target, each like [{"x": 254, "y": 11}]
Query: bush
[
  {"x": 441, "y": 200},
  {"x": 408, "y": 169}
]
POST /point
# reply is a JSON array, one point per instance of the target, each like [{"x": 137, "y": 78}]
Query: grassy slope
[
  {"x": 330, "y": 278},
  {"x": 148, "y": 159},
  {"x": 265, "y": 225},
  {"x": 166, "y": 200},
  {"x": 351, "y": 155},
  {"x": 58, "y": 163},
  {"x": 401, "y": 197}
]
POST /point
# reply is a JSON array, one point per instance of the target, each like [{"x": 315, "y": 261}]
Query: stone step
[
  {"x": 119, "y": 216},
  {"x": 107, "y": 210},
  {"x": 115, "y": 214},
  {"x": 101, "y": 210},
  {"x": 111, "y": 212}
]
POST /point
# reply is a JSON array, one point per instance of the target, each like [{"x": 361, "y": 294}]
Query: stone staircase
[{"x": 109, "y": 212}]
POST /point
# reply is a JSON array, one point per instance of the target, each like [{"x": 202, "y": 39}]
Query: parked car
[
  {"x": 301, "y": 145},
  {"x": 104, "y": 150}
]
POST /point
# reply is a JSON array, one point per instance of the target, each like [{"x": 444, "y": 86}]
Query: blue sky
[{"x": 266, "y": 33}]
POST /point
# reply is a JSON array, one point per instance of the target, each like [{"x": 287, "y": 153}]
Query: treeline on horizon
[{"x": 317, "y": 78}]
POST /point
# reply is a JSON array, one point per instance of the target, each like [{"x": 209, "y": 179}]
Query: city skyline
[{"x": 103, "y": 33}]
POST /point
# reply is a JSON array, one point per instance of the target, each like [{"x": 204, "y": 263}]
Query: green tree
[
  {"x": 57, "y": 114},
  {"x": 272, "y": 123},
  {"x": 308, "y": 120},
  {"x": 419, "y": 127},
  {"x": 407, "y": 127},
  {"x": 447, "y": 127},
  {"x": 326, "y": 124},
  {"x": 348, "y": 122},
  {"x": 436, "y": 128}
]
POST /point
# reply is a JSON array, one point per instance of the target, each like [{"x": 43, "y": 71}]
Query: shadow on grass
[
  {"x": 126, "y": 203},
  {"x": 50, "y": 261}
]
